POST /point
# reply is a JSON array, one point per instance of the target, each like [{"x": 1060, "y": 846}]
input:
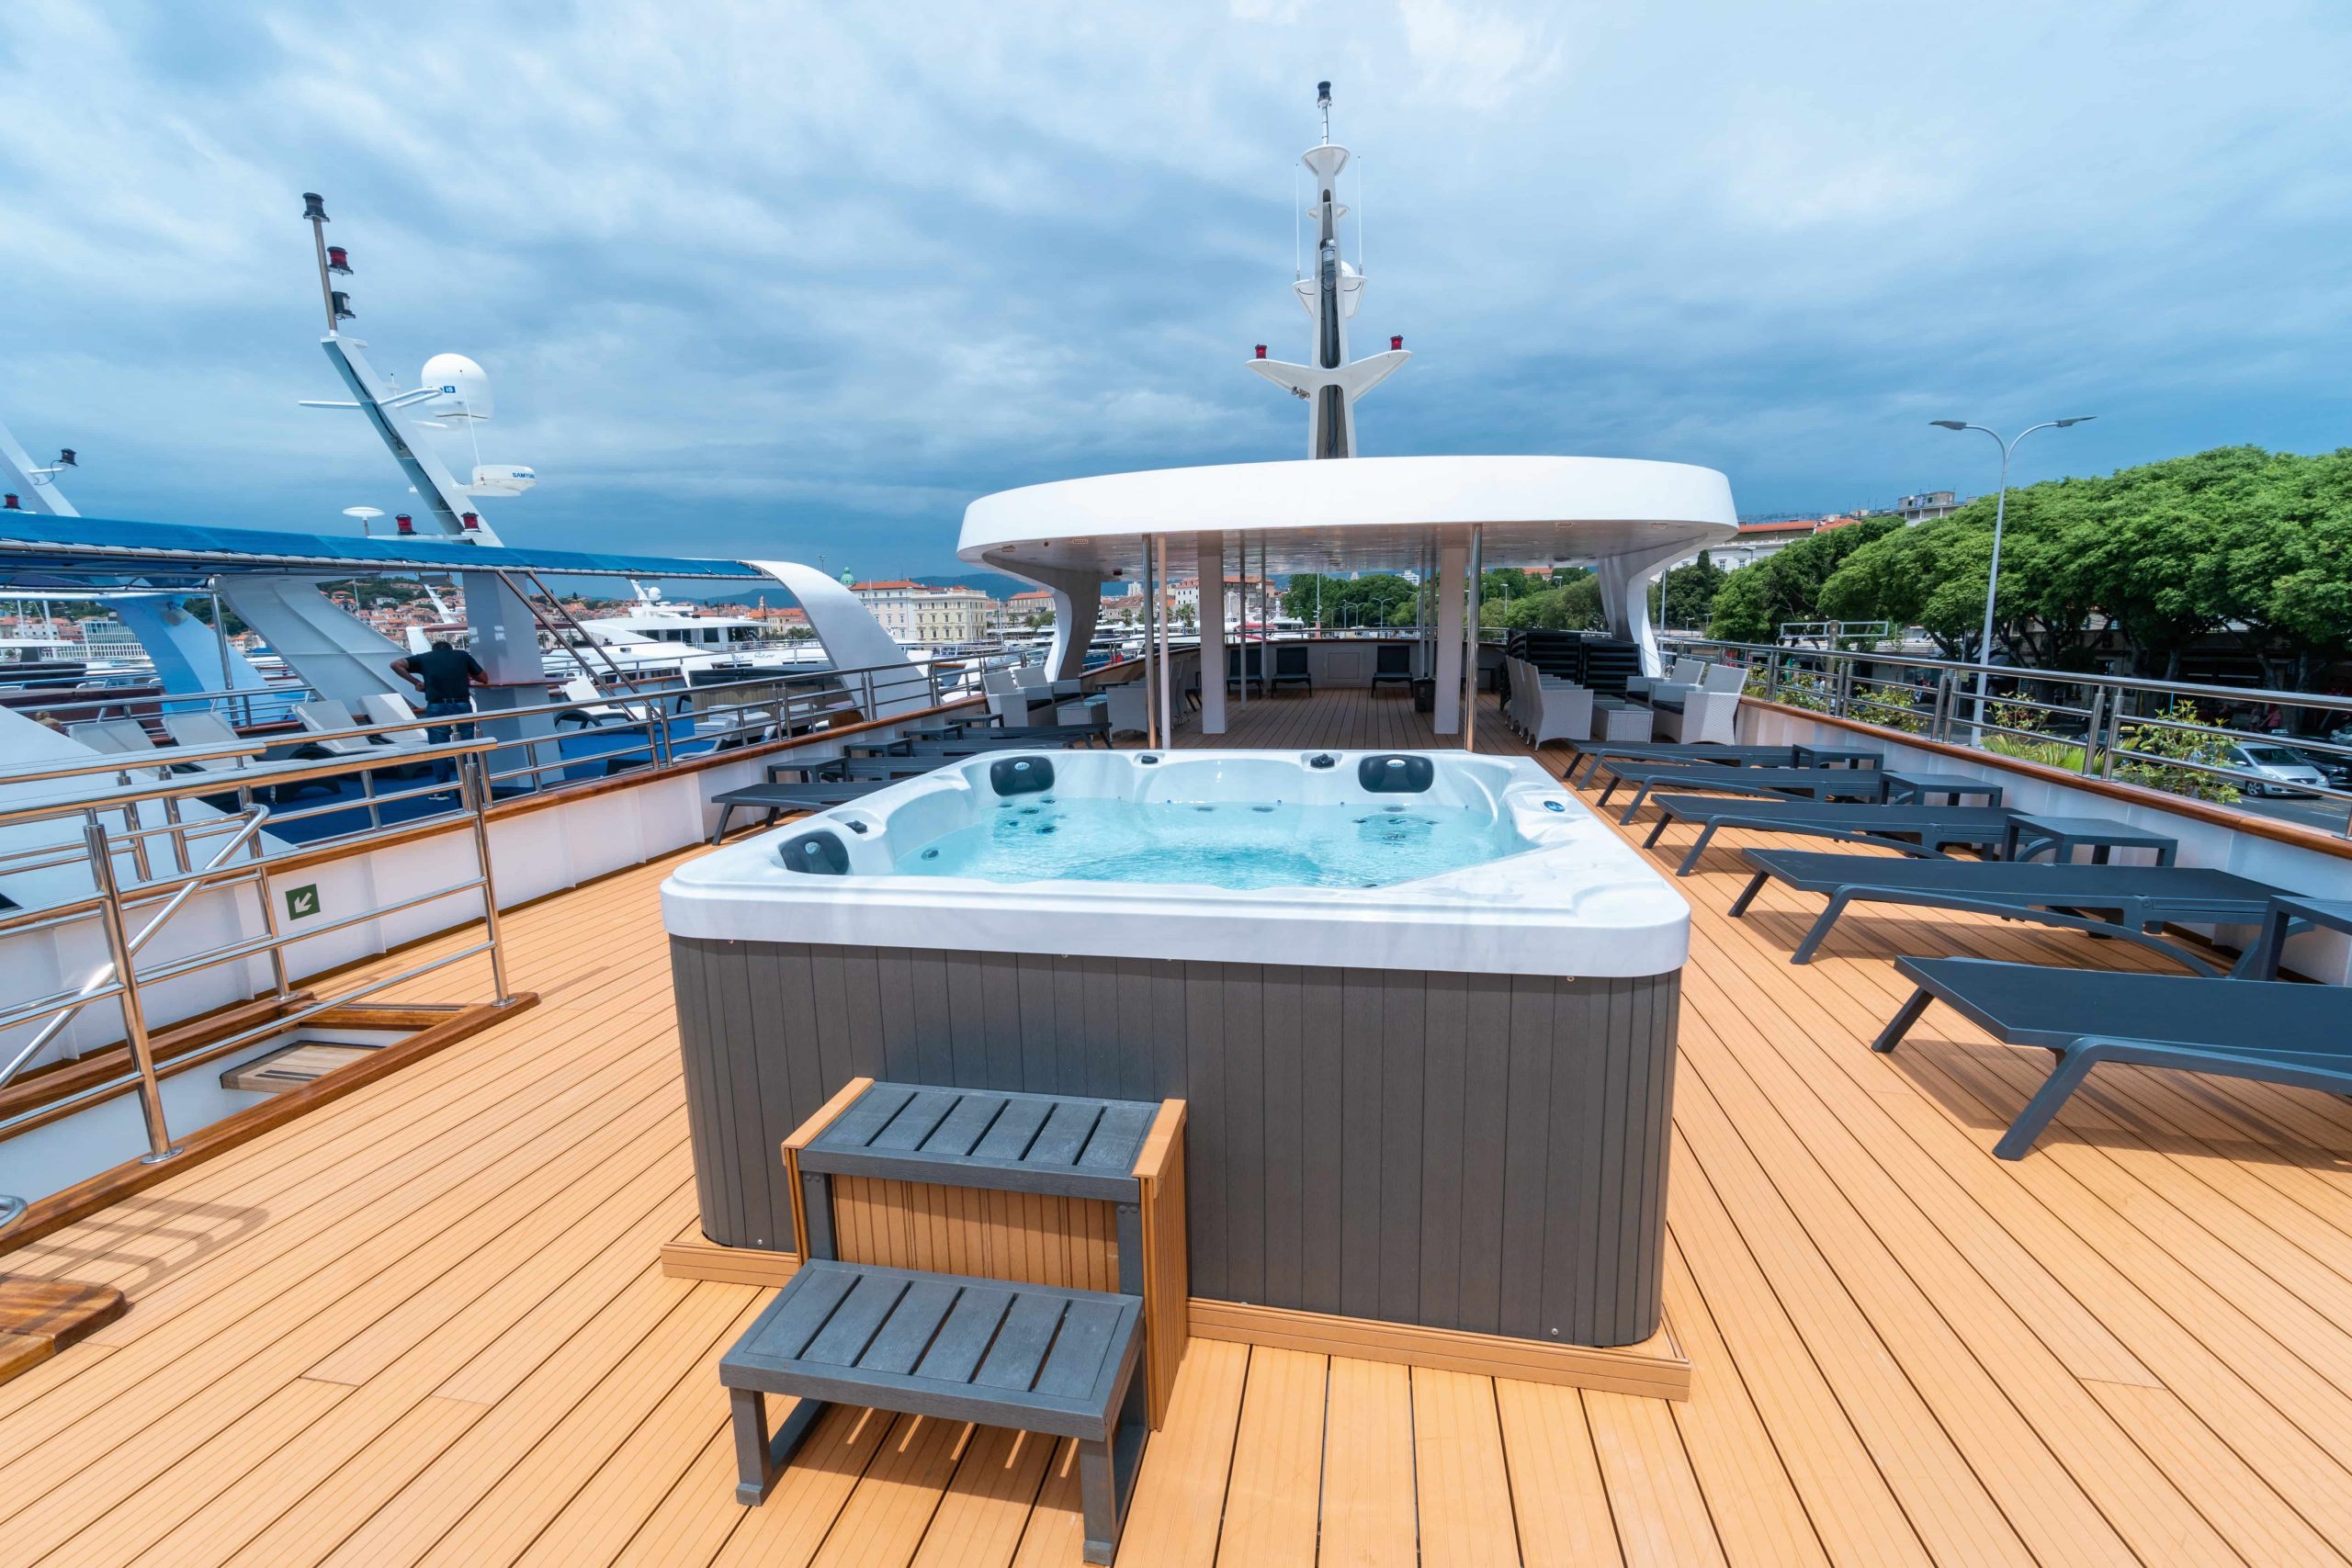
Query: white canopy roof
[{"x": 1359, "y": 514}]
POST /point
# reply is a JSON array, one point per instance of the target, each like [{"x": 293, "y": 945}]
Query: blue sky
[{"x": 775, "y": 280}]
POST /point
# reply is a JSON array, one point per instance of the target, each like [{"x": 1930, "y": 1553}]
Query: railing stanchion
[
  {"x": 134, "y": 1017},
  {"x": 476, "y": 794},
  {"x": 2091, "y": 729}
]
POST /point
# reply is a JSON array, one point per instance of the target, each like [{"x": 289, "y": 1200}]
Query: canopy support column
[
  {"x": 1452, "y": 567},
  {"x": 1152, "y": 591},
  {"x": 1625, "y": 598},
  {"x": 1210, "y": 549},
  {"x": 1167, "y": 679},
  {"x": 1470, "y": 643}
]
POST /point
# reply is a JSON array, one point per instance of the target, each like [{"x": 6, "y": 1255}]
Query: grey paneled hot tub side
[{"x": 1482, "y": 1152}]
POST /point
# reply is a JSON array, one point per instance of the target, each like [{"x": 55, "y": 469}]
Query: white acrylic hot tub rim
[{"x": 1579, "y": 901}]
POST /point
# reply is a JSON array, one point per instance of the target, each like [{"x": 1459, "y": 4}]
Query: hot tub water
[{"x": 1233, "y": 844}]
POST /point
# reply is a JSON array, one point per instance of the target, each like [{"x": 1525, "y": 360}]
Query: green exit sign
[{"x": 303, "y": 902}]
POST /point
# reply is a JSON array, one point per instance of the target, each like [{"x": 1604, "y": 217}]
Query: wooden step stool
[{"x": 879, "y": 1168}]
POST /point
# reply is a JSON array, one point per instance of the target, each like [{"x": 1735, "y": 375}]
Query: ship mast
[{"x": 1329, "y": 382}]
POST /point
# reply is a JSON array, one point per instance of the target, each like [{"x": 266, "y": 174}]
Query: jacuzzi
[
  {"x": 1538, "y": 886},
  {"x": 1422, "y": 1007}
]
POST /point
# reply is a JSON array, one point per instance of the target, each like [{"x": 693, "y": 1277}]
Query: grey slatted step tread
[
  {"x": 1009, "y": 1138},
  {"x": 911, "y": 1126},
  {"x": 1070, "y": 1144},
  {"x": 1118, "y": 1136},
  {"x": 1040, "y": 1356},
  {"x": 849, "y": 1332},
  {"x": 1019, "y": 1349},
  {"x": 964, "y": 1339}
]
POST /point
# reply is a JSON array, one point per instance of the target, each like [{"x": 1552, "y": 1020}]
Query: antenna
[
  {"x": 314, "y": 211},
  {"x": 1322, "y": 101}
]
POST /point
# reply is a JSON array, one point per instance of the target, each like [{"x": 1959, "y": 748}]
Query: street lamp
[{"x": 2000, "y": 515}]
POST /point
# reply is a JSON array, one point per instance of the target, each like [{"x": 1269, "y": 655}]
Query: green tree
[
  {"x": 1574, "y": 605},
  {"x": 1684, "y": 598},
  {"x": 1742, "y": 610},
  {"x": 2236, "y": 543}
]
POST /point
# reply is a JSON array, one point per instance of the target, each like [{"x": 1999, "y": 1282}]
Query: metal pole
[
  {"x": 474, "y": 793},
  {"x": 317, "y": 214},
  {"x": 1241, "y": 641},
  {"x": 1153, "y": 590},
  {"x": 1167, "y": 680},
  {"x": 1470, "y": 644},
  {"x": 1992, "y": 589},
  {"x": 134, "y": 1017},
  {"x": 220, "y": 641}
]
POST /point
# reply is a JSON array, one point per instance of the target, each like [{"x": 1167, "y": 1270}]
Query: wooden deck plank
[
  {"x": 980, "y": 1519},
  {"x": 1368, "y": 1514},
  {"x": 1462, "y": 1484},
  {"x": 1180, "y": 1497},
  {"x": 423, "y": 1322},
  {"x": 1558, "y": 1494},
  {"x": 1277, "y": 1489}
]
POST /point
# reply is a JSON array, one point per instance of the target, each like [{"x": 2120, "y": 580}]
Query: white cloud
[{"x": 802, "y": 272}]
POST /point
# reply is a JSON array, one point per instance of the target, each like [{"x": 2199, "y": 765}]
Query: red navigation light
[
  {"x": 8, "y": 504},
  {"x": 1398, "y": 341},
  {"x": 472, "y": 522},
  {"x": 338, "y": 260},
  {"x": 1261, "y": 351},
  {"x": 404, "y": 523}
]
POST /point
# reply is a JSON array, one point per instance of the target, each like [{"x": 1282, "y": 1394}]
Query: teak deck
[{"x": 426, "y": 1322}]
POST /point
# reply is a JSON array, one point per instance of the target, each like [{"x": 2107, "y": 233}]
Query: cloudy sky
[{"x": 780, "y": 279}]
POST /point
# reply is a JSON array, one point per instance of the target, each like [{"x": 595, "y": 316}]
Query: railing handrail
[
  {"x": 134, "y": 761},
  {"x": 2108, "y": 726},
  {"x": 2058, "y": 677},
  {"x": 167, "y": 756},
  {"x": 188, "y": 786}
]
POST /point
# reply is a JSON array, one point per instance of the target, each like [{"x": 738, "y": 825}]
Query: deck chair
[
  {"x": 204, "y": 731},
  {"x": 1924, "y": 831},
  {"x": 329, "y": 727},
  {"x": 1291, "y": 666},
  {"x": 1553, "y": 709},
  {"x": 775, "y": 798},
  {"x": 1598, "y": 754},
  {"x": 390, "y": 707},
  {"x": 1817, "y": 783},
  {"x": 120, "y": 737},
  {"x": 2138, "y": 898},
  {"x": 2268, "y": 1030},
  {"x": 1392, "y": 665},
  {"x": 1236, "y": 660}
]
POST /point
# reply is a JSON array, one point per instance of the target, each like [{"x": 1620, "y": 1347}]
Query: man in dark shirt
[{"x": 443, "y": 674}]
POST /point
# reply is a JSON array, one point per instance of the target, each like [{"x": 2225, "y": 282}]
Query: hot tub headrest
[
  {"x": 1020, "y": 775},
  {"x": 818, "y": 853},
  {"x": 1396, "y": 775}
]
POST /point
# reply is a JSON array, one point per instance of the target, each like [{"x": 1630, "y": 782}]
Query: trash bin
[{"x": 1424, "y": 696}]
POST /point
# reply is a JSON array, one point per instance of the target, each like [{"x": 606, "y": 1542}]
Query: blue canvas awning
[{"x": 38, "y": 551}]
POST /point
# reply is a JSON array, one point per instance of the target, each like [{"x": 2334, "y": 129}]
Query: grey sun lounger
[
  {"x": 775, "y": 798},
  {"x": 1593, "y": 753},
  {"x": 2138, "y": 898},
  {"x": 1924, "y": 831},
  {"x": 1819, "y": 783},
  {"x": 2270, "y": 1030}
]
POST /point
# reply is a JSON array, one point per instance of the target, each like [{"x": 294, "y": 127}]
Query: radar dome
[{"x": 463, "y": 385}]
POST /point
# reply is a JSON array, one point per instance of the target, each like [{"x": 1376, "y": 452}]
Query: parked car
[
  {"x": 2277, "y": 770},
  {"x": 2334, "y": 765}
]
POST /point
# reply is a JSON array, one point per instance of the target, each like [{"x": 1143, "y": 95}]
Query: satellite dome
[{"x": 464, "y": 387}]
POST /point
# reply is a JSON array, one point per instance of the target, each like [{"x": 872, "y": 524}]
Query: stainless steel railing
[
  {"x": 2171, "y": 734},
  {"x": 235, "y": 861}
]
